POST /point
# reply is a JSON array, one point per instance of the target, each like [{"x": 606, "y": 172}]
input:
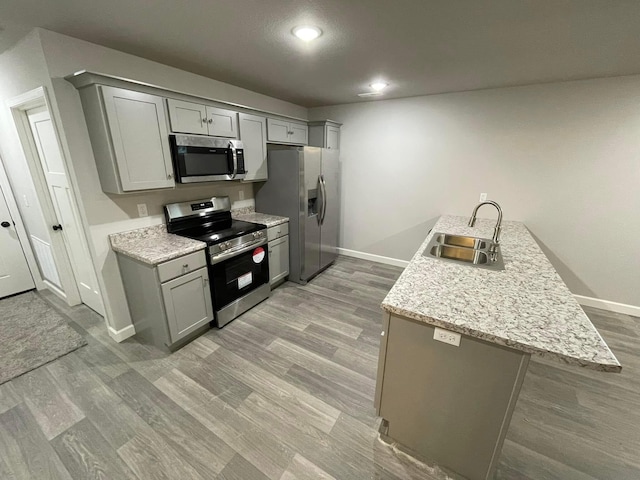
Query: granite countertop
[
  {"x": 153, "y": 245},
  {"x": 526, "y": 307},
  {"x": 262, "y": 218}
]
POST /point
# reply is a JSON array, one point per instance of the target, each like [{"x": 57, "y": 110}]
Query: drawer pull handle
[{"x": 185, "y": 266}]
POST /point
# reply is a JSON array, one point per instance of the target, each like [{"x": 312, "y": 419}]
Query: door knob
[
  {"x": 5, "y": 224},
  {"x": 57, "y": 227}
]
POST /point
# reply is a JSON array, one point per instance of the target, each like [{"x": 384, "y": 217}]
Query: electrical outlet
[
  {"x": 142, "y": 210},
  {"x": 483, "y": 197},
  {"x": 452, "y": 338}
]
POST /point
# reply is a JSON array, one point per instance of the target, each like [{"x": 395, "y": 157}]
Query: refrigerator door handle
[
  {"x": 324, "y": 198},
  {"x": 321, "y": 194}
]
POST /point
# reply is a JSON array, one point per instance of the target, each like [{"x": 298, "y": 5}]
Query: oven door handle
[{"x": 232, "y": 253}]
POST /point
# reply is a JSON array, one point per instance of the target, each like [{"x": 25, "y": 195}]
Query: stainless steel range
[{"x": 237, "y": 253}]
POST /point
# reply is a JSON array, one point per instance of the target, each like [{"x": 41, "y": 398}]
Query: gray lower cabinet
[
  {"x": 187, "y": 302},
  {"x": 130, "y": 138},
  {"x": 170, "y": 304},
  {"x": 278, "y": 253}
]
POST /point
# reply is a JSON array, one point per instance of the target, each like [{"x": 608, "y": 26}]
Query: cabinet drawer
[
  {"x": 181, "y": 265},
  {"x": 277, "y": 231}
]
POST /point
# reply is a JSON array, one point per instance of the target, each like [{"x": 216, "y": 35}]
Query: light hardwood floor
[{"x": 285, "y": 392}]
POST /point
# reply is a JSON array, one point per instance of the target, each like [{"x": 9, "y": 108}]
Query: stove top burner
[{"x": 212, "y": 235}]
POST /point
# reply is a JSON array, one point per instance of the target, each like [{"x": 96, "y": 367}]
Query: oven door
[{"x": 238, "y": 275}]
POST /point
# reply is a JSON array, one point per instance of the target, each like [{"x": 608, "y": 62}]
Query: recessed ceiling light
[
  {"x": 307, "y": 33},
  {"x": 379, "y": 86}
]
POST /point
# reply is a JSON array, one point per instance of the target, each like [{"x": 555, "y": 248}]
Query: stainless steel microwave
[{"x": 198, "y": 158}]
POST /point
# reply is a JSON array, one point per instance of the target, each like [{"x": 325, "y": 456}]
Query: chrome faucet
[{"x": 497, "y": 229}]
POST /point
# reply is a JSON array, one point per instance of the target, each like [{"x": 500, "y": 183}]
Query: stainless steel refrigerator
[{"x": 303, "y": 184}]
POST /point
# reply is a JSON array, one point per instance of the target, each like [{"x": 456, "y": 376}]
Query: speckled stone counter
[
  {"x": 526, "y": 307},
  {"x": 153, "y": 245},
  {"x": 262, "y": 218}
]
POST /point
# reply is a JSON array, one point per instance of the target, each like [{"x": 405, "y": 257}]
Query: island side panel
[
  {"x": 381, "y": 359},
  {"x": 451, "y": 405}
]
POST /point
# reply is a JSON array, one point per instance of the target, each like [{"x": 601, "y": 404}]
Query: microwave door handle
[{"x": 234, "y": 156}]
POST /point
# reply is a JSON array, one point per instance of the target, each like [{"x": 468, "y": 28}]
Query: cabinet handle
[
  {"x": 204, "y": 120},
  {"x": 169, "y": 176},
  {"x": 211, "y": 120},
  {"x": 185, "y": 266},
  {"x": 205, "y": 281}
]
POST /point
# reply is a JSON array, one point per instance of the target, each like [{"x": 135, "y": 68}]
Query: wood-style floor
[{"x": 285, "y": 392}]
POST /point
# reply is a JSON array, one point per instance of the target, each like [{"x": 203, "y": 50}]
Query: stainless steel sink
[
  {"x": 460, "y": 241},
  {"x": 468, "y": 255},
  {"x": 472, "y": 251}
]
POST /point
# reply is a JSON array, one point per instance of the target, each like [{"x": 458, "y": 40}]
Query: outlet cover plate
[
  {"x": 446, "y": 336},
  {"x": 142, "y": 210}
]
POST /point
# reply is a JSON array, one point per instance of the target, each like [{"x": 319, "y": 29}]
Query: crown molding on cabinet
[{"x": 85, "y": 78}]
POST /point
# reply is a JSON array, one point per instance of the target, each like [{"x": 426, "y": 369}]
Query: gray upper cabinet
[
  {"x": 253, "y": 133},
  {"x": 189, "y": 117},
  {"x": 129, "y": 137},
  {"x": 325, "y": 134},
  {"x": 222, "y": 123},
  {"x": 284, "y": 131}
]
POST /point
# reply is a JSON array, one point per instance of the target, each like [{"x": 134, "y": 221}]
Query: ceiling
[{"x": 418, "y": 46}]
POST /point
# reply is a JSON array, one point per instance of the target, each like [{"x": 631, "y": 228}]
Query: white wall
[
  {"x": 22, "y": 68},
  {"x": 56, "y": 56},
  {"x": 564, "y": 158}
]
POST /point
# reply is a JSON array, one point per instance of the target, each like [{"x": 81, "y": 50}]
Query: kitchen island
[{"x": 452, "y": 404}]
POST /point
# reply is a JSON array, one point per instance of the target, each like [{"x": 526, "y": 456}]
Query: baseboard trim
[
  {"x": 373, "y": 258},
  {"x": 122, "y": 334},
  {"x": 608, "y": 305}
]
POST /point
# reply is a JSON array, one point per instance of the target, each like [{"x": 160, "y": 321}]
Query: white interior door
[
  {"x": 52, "y": 164},
  {"x": 15, "y": 276}
]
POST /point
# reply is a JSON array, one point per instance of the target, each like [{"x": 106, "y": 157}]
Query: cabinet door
[
  {"x": 277, "y": 131},
  {"x": 187, "y": 117},
  {"x": 187, "y": 301},
  {"x": 253, "y": 133},
  {"x": 299, "y": 133},
  {"x": 332, "y": 137},
  {"x": 278, "y": 259},
  {"x": 140, "y": 140},
  {"x": 222, "y": 123}
]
